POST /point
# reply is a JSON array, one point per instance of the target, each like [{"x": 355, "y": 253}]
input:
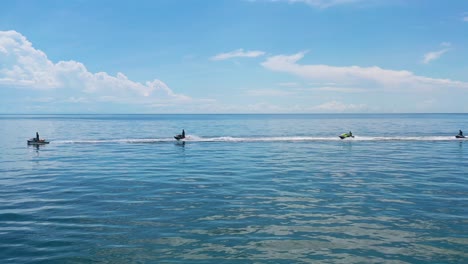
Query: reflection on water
[
  {"x": 180, "y": 143},
  {"x": 37, "y": 147}
]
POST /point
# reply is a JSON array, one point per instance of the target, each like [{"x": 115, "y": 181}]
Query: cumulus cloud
[
  {"x": 23, "y": 66},
  {"x": 363, "y": 77},
  {"x": 238, "y": 53},
  {"x": 434, "y": 55}
]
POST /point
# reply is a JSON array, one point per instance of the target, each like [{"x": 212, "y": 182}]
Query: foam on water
[{"x": 194, "y": 138}]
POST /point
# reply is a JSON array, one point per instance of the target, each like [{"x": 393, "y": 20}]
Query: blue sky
[{"x": 236, "y": 56}]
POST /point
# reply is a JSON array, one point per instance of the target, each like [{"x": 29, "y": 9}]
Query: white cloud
[
  {"x": 268, "y": 92},
  {"x": 434, "y": 55},
  {"x": 339, "y": 89},
  {"x": 23, "y": 66},
  {"x": 323, "y": 3},
  {"x": 288, "y": 84},
  {"x": 425, "y": 105},
  {"x": 40, "y": 99},
  {"x": 238, "y": 53},
  {"x": 465, "y": 17},
  {"x": 263, "y": 107},
  {"x": 446, "y": 44},
  {"x": 76, "y": 100},
  {"x": 364, "y": 77},
  {"x": 335, "y": 106}
]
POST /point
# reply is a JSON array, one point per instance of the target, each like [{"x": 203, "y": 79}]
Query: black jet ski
[
  {"x": 180, "y": 136},
  {"x": 460, "y": 136},
  {"x": 34, "y": 141}
]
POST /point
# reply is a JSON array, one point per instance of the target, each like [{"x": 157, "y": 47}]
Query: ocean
[{"x": 240, "y": 189}]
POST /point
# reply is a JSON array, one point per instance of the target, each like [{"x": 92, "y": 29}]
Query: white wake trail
[{"x": 255, "y": 139}]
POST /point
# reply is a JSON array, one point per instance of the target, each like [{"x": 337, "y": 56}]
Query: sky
[{"x": 233, "y": 56}]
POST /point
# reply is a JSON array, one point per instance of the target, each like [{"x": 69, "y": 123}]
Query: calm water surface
[{"x": 241, "y": 189}]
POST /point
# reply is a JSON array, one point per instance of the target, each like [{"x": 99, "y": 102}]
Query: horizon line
[{"x": 367, "y": 113}]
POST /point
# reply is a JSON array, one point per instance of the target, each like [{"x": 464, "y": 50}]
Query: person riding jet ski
[
  {"x": 346, "y": 135},
  {"x": 180, "y": 136}
]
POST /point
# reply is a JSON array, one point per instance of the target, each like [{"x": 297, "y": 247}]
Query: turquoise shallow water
[{"x": 242, "y": 189}]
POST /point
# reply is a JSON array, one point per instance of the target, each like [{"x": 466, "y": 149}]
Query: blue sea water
[{"x": 240, "y": 189}]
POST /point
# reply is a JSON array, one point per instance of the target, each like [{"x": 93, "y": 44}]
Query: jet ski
[
  {"x": 180, "y": 136},
  {"x": 34, "y": 141},
  {"x": 460, "y": 134},
  {"x": 346, "y": 135}
]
